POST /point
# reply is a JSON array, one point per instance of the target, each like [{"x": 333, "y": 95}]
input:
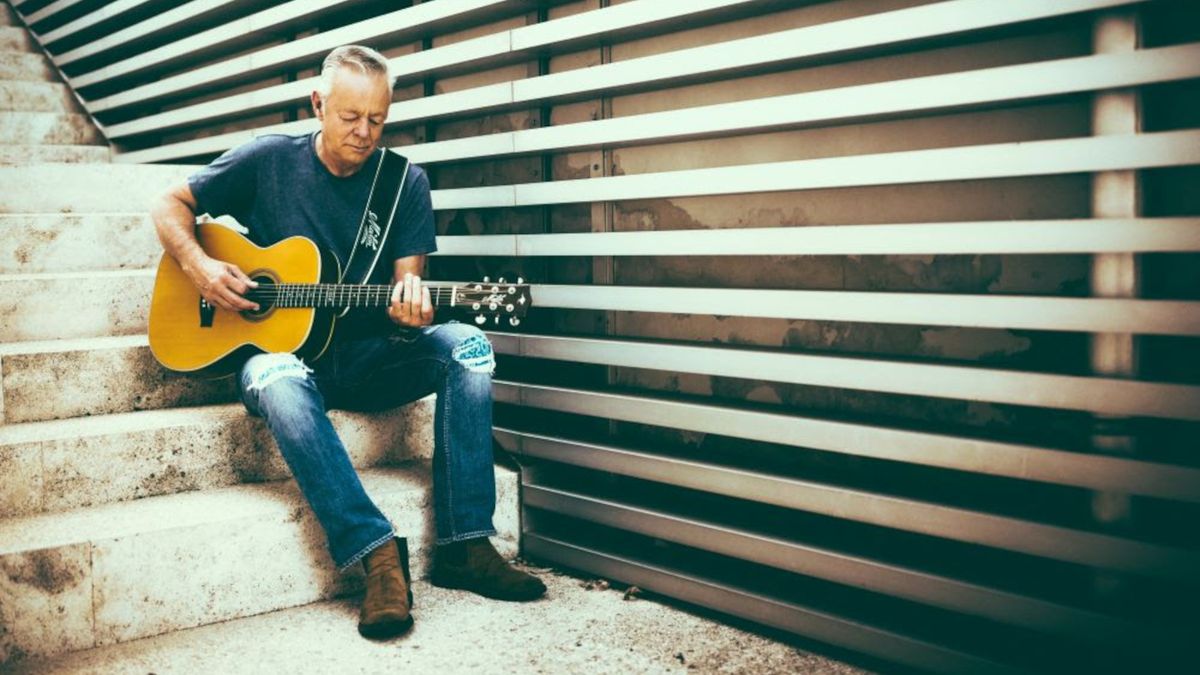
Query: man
[{"x": 315, "y": 185}]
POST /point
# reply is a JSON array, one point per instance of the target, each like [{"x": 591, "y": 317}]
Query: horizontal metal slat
[
  {"x": 103, "y": 13},
  {"x": 172, "y": 18},
  {"x": 1138, "y": 235},
  {"x": 918, "y": 95},
  {"x": 978, "y": 162},
  {"x": 873, "y": 575},
  {"x": 786, "y": 616},
  {"x": 615, "y": 21},
  {"x": 927, "y": 518},
  {"x": 1097, "y": 315},
  {"x": 1109, "y": 396},
  {"x": 411, "y": 21},
  {"x": 925, "y": 95},
  {"x": 486, "y": 51},
  {"x": 224, "y": 37},
  {"x": 1025, "y": 462},
  {"x": 873, "y": 31},
  {"x": 45, "y": 12},
  {"x": 838, "y": 37}
]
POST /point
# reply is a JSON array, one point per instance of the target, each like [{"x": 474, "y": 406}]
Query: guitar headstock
[{"x": 495, "y": 300}]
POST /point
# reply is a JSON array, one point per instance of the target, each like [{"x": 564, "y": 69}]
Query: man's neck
[{"x": 327, "y": 158}]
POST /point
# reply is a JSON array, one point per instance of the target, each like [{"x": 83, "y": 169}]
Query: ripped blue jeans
[{"x": 453, "y": 360}]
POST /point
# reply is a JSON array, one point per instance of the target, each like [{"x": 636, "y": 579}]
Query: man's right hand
[{"x": 222, "y": 284}]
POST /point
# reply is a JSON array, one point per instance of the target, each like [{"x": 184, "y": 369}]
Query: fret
[{"x": 361, "y": 295}]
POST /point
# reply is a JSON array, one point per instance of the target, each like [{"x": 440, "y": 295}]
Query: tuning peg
[
  {"x": 509, "y": 307},
  {"x": 480, "y": 319},
  {"x": 501, "y": 280},
  {"x": 487, "y": 280},
  {"x": 520, "y": 280},
  {"x": 497, "y": 321},
  {"x": 514, "y": 321},
  {"x": 512, "y": 290},
  {"x": 476, "y": 306}
]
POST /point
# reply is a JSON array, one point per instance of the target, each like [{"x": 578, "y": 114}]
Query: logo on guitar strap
[{"x": 371, "y": 232}]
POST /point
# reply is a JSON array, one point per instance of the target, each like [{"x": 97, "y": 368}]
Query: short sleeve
[
  {"x": 227, "y": 185},
  {"x": 413, "y": 229}
]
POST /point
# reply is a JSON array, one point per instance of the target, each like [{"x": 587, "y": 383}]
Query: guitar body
[{"x": 187, "y": 335}]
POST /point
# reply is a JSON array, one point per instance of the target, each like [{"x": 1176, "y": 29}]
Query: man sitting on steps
[{"x": 314, "y": 185}]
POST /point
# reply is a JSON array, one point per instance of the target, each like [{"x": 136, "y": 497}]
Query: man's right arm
[{"x": 219, "y": 282}]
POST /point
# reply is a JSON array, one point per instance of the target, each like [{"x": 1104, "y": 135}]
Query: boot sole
[
  {"x": 385, "y": 629},
  {"x": 442, "y": 582}
]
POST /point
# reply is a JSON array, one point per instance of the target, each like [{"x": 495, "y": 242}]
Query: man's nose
[{"x": 363, "y": 128}]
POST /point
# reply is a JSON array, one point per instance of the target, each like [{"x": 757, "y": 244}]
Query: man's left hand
[{"x": 411, "y": 305}]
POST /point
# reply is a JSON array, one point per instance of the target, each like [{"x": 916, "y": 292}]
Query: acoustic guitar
[{"x": 299, "y": 301}]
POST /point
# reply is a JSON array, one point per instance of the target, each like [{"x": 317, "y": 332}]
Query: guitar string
[
  {"x": 375, "y": 288},
  {"x": 311, "y": 291},
  {"x": 339, "y": 294}
]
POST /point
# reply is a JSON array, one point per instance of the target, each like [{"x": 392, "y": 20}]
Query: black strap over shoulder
[
  {"x": 387, "y": 190},
  {"x": 386, "y": 193}
]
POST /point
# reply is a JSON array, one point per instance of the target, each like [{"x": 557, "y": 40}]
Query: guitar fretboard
[{"x": 341, "y": 295}]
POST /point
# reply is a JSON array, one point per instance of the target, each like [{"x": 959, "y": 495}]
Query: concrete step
[
  {"x": 33, "y": 243},
  {"x": 29, "y": 66},
  {"x": 59, "y": 154},
  {"x": 48, "y": 128},
  {"x": 82, "y": 188},
  {"x": 16, "y": 39},
  {"x": 19, "y": 96},
  {"x": 74, "y": 304},
  {"x": 86, "y": 461},
  {"x": 119, "y": 572},
  {"x": 577, "y": 629},
  {"x": 59, "y": 379}
]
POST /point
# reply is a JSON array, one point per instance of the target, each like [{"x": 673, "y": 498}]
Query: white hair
[{"x": 367, "y": 61}]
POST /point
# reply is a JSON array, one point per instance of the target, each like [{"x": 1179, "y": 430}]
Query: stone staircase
[
  {"x": 135, "y": 502},
  {"x": 42, "y": 120}
]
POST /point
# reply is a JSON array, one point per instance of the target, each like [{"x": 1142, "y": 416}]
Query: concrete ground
[{"x": 580, "y": 627}]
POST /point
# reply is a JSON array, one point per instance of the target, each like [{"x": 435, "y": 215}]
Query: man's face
[{"x": 352, "y": 116}]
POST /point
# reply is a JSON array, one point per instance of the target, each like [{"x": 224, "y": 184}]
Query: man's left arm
[{"x": 411, "y": 305}]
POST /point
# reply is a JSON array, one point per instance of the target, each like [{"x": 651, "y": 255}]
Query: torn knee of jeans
[
  {"x": 475, "y": 354},
  {"x": 272, "y": 367}
]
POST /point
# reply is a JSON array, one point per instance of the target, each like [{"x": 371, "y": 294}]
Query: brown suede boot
[
  {"x": 474, "y": 565},
  {"x": 387, "y": 604}
]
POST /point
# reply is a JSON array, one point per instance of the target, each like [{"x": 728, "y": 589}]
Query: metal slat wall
[{"x": 874, "y": 321}]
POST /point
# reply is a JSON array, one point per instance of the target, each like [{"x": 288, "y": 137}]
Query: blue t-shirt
[{"x": 277, "y": 187}]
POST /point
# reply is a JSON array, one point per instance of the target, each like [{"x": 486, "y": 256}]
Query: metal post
[{"x": 1115, "y": 194}]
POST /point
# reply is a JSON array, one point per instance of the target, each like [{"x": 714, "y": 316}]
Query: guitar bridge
[{"x": 207, "y": 310}]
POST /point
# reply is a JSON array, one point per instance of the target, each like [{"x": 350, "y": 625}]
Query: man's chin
[{"x": 354, "y": 157}]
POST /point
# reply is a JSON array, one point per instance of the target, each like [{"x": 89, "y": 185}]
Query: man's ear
[{"x": 318, "y": 109}]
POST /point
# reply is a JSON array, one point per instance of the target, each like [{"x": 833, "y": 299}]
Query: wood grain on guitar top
[{"x": 180, "y": 341}]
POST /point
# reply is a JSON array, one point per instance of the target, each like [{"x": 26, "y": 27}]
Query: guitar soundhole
[{"x": 262, "y": 295}]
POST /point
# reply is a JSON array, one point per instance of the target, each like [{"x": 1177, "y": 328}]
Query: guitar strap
[{"x": 386, "y": 192}]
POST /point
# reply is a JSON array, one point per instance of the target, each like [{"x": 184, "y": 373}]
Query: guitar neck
[{"x": 339, "y": 296}]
